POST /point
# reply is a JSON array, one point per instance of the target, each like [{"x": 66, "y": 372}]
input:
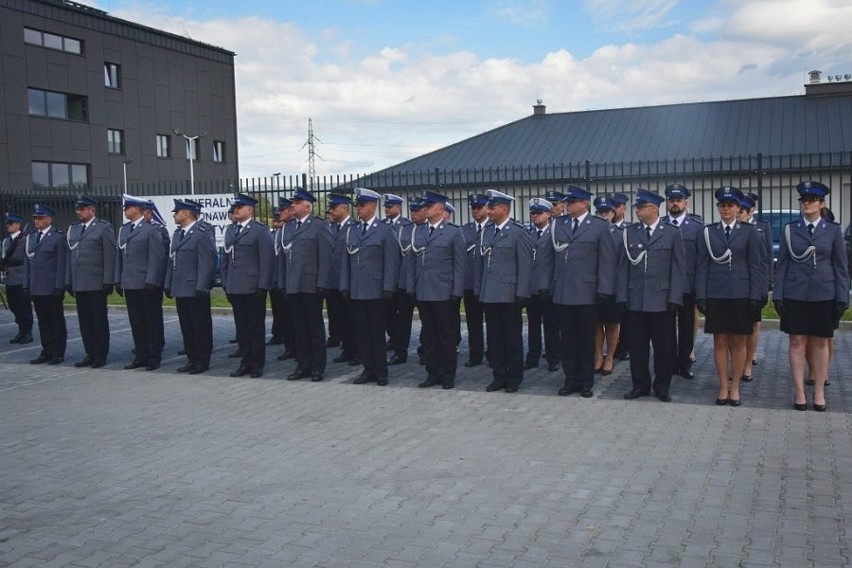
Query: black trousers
[
  {"x": 250, "y": 318},
  {"x": 19, "y": 305},
  {"x": 369, "y": 317},
  {"x": 399, "y": 323},
  {"x": 540, "y": 313},
  {"x": 283, "y": 327},
  {"x": 439, "y": 321},
  {"x": 339, "y": 321},
  {"x": 310, "y": 332},
  {"x": 94, "y": 324},
  {"x": 505, "y": 343},
  {"x": 51, "y": 325},
  {"x": 475, "y": 334},
  {"x": 145, "y": 312},
  {"x": 577, "y": 326},
  {"x": 685, "y": 334},
  {"x": 196, "y": 327},
  {"x": 646, "y": 329}
]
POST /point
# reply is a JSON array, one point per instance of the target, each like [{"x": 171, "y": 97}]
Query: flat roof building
[{"x": 87, "y": 97}]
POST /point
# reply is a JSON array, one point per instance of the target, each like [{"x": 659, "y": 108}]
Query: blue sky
[{"x": 387, "y": 80}]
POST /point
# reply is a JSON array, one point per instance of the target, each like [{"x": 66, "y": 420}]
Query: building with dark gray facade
[{"x": 87, "y": 97}]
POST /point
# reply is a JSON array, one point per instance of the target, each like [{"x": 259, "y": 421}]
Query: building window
[
  {"x": 164, "y": 146},
  {"x": 193, "y": 148},
  {"x": 115, "y": 141},
  {"x": 218, "y": 151},
  {"x": 53, "y": 41},
  {"x": 60, "y": 175},
  {"x": 112, "y": 75},
  {"x": 57, "y": 105}
]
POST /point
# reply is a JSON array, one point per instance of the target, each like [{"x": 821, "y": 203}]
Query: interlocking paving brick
[{"x": 110, "y": 467}]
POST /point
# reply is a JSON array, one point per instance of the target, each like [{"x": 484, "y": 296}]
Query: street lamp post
[
  {"x": 190, "y": 144},
  {"x": 124, "y": 167}
]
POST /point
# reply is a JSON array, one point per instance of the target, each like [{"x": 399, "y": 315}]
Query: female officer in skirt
[
  {"x": 729, "y": 282},
  {"x": 610, "y": 314},
  {"x": 811, "y": 290}
]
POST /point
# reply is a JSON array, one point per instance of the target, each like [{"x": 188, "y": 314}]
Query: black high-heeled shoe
[
  {"x": 800, "y": 407},
  {"x": 819, "y": 407}
]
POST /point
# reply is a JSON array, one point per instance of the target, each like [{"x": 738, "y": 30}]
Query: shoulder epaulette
[
  {"x": 520, "y": 225},
  {"x": 695, "y": 217}
]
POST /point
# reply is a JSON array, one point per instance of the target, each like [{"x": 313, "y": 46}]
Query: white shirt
[{"x": 654, "y": 226}]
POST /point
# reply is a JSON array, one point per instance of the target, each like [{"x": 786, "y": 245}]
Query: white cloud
[
  {"x": 521, "y": 12},
  {"x": 401, "y": 101},
  {"x": 631, "y": 15}
]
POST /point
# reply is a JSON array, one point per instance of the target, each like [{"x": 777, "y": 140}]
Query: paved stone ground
[{"x": 118, "y": 468}]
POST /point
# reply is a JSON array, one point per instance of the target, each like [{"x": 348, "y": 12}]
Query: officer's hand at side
[
  {"x": 322, "y": 293},
  {"x": 202, "y": 293},
  {"x": 754, "y": 306},
  {"x": 70, "y": 290},
  {"x": 107, "y": 289},
  {"x": 522, "y": 301},
  {"x": 764, "y": 301},
  {"x": 544, "y": 294},
  {"x": 701, "y": 305},
  {"x": 387, "y": 295},
  {"x": 839, "y": 308},
  {"x": 622, "y": 305},
  {"x": 672, "y": 307},
  {"x": 152, "y": 288},
  {"x": 168, "y": 293},
  {"x": 59, "y": 293},
  {"x": 457, "y": 298},
  {"x": 779, "y": 307},
  {"x": 344, "y": 294},
  {"x": 261, "y": 293},
  {"x": 603, "y": 298},
  {"x": 119, "y": 290}
]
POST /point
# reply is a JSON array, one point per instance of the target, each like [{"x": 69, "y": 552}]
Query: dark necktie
[
  {"x": 478, "y": 231},
  {"x": 38, "y": 238},
  {"x": 431, "y": 230},
  {"x": 727, "y": 232},
  {"x": 239, "y": 228},
  {"x": 83, "y": 229},
  {"x": 674, "y": 222},
  {"x": 811, "y": 229},
  {"x": 575, "y": 227},
  {"x": 132, "y": 226},
  {"x": 363, "y": 228},
  {"x": 539, "y": 233},
  {"x": 648, "y": 231},
  {"x": 182, "y": 234},
  {"x": 298, "y": 224},
  {"x": 496, "y": 231},
  {"x": 338, "y": 226}
]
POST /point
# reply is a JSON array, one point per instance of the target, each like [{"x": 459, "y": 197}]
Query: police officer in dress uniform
[
  {"x": 277, "y": 330},
  {"x": 189, "y": 276},
  {"x": 557, "y": 199},
  {"x": 584, "y": 269},
  {"x": 90, "y": 276},
  {"x": 503, "y": 286},
  {"x": 472, "y": 233},
  {"x": 610, "y": 314},
  {"x": 339, "y": 324},
  {"x": 44, "y": 282},
  {"x": 651, "y": 282},
  {"x": 401, "y": 312},
  {"x": 729, "y": 283},
  {"x": 811, "y": 290},
  {"x": 438, "y": 285},
  {"x": 368, "y": 279},
  {"x": 747, "y": 210},
  {"x": 140, "y": 270},
  {"x": 449, "y": 211},
  {"x": 540, "y": 310},
  {"x": 13, "y": 257},
  {"x": 247, "y": 275},
  {"x": 309, "y": 271},
  {"x": 691, "y": 227},
  {"x": 281, "y": 304}
]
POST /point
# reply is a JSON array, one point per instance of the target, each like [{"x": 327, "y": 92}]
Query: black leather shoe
[
  {"x": 530, "y": 365},
  {"x": 275, "y": 341},
  {"x": 666, "y": 397},
  {"x": 635, "y": 393},
  {"x": 16, "y": 339},
  {"x": 365, "y": 377},
  {"x": 198, "y": 368},
  {"x": 800, "y": 406},
  {"x": 448, "y": 385},
  {"x": 354, "y": 362},
  {"x": 422, "y": 361},
  {"x": 820, "y": 407},
  {"x": 724, "y": 401},
  {"x": 427, "y": 383},
  {"x": 235, "y": 355},
  {"x": 241, "y": 371},
  {"x": 495, "y": 386},
  {"x": 332, "y": 343},
  {"x": 552, "y": 367},
  {"x": 340, "y": 358},
  {"x": 510, "y": 390},
  {"x": 567, "y": 390},
  {"x": 586, "y": 393},
  {"x": 134, "y": 365},
  {"x": 181, "y": 352},
  {"x": 382, "y": 382},
  {"x": 316, "y": 377},
  {"x": 98, "y": 363},
  {"x": 624, "y": 356},
  {"x": 153, "y": 366},
  {"x": 86, "y": 362},
  {"x": 734, "y": 402},
  {"x": 256, "y": 373},
  {"x": 688, "y": 374},
  {"x": 397, "y": 360},
  {"x": 186, "y": 368},
  {"x": 28, "y": 338},
  {"x": 287, "y": 355},
  {"x": 39, "y": 360},
  {"x": 56, "y": 360},
  {"x": 473, "y": 362},
  {"x": 298, "y": 374},
  {"x": 232, "y": 341}
]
